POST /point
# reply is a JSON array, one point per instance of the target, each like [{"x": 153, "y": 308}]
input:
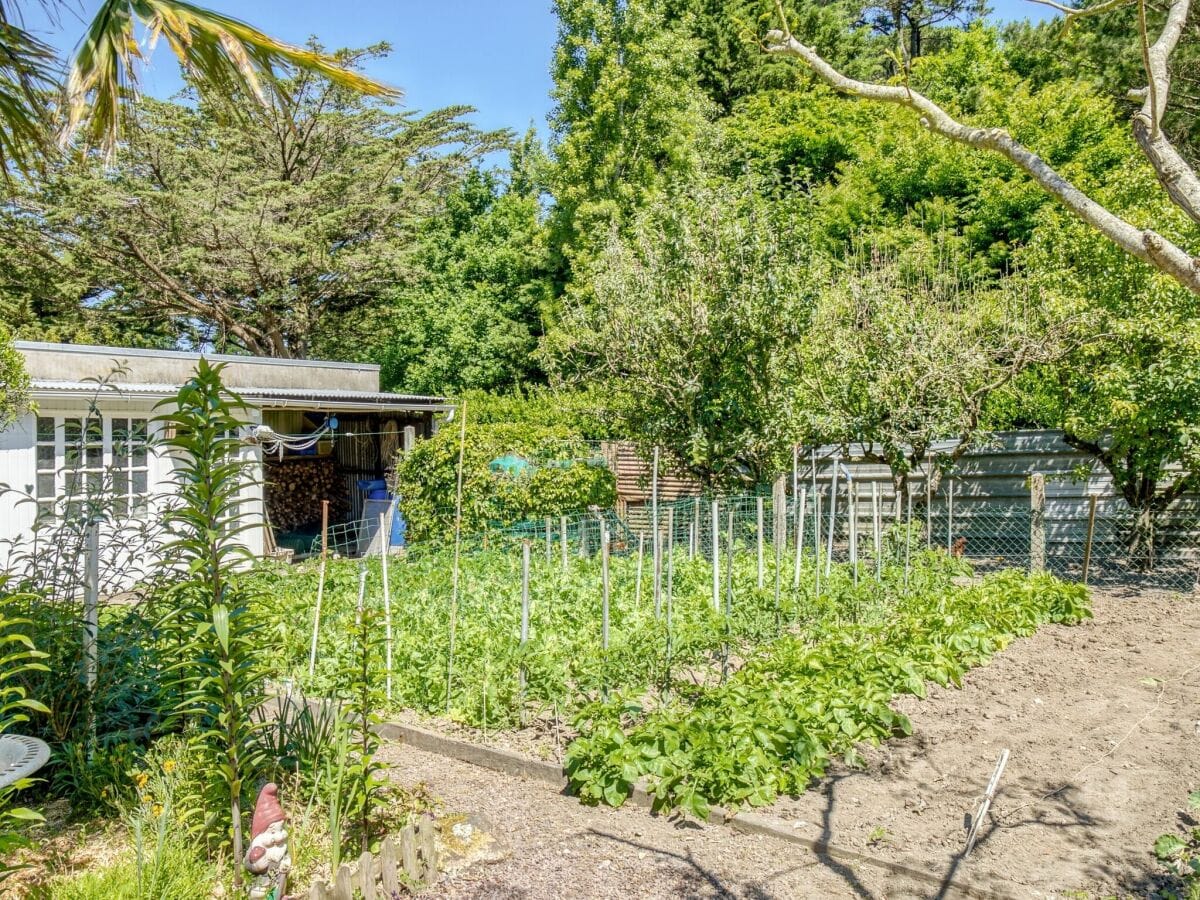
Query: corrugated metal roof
[{"x": 268, "y": 397}]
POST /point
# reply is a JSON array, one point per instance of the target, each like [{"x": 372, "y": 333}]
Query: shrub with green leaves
[{"x": 564, "y": 476}]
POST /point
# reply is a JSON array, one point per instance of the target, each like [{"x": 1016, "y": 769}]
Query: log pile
[{"x": 295, "y": 487}]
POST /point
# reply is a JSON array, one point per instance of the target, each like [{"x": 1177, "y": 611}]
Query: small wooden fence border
[{"x": 378, "y": 878}]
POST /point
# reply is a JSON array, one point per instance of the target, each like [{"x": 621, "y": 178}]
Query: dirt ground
[{"x": 1103, "y": 724}]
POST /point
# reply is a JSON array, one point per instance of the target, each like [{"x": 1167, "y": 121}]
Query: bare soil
[{"x": 1103, "y": 724}]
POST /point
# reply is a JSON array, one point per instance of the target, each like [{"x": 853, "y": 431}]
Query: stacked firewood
[{"x": 295, "y": 487}]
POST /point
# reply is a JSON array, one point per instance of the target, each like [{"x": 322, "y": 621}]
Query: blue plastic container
[{"x": 399, "y": 526}]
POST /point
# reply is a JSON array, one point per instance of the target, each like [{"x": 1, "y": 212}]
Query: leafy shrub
[
  {"x": 18, "y": 657},
  {"x": 563, "y": 478}
]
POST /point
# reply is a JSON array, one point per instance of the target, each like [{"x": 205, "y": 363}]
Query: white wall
[{"x": 18, "y": 470}]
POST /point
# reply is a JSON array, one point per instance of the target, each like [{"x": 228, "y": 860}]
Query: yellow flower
[
  {"x": 169, "y": 766},
  {"x": 156, "y": 810},
  {"x": 140, "y": 780}
]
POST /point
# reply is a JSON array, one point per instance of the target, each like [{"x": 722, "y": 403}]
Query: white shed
[{"x": 93, "y": 426}]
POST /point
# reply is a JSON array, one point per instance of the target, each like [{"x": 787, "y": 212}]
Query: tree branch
[{"x": 1146, "y": 245}]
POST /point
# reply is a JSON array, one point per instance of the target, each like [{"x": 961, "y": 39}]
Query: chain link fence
[{"x": 1092, "y": 540}]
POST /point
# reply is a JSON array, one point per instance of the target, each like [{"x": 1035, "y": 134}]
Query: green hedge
[{"x": 564, "y": 477}]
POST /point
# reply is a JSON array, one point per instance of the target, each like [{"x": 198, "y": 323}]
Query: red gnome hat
[{"x": 267, "y": 810}]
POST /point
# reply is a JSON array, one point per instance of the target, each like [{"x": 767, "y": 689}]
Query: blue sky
[{"x": 490, "y": 54}]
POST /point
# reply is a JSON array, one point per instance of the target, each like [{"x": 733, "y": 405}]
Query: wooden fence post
[
  {"x": 1091, "y": 533},
  {"x": 779, "y": 513},
  {"x": 1037, "y": 522}
]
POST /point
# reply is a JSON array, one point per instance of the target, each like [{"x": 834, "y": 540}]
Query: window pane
[
  {"x": 45, "y": 458},
  {"x": 71, "y": 456},
  {"x": 95, "y": 431},
  {"x": 72, "y": 483},
  {"x": 121, "y": 455},
  {"x": 45, "y": 485},
  {"x": 120, "y": 483},
  {"x": 138, "y": 430},
  {"x": 72, "y": 430},
  {"x": 95, "y": 457},
  {"x": 139, "y": 482},
  {"x": 95, "y": 483},
  {"x": 139, "y": 455},
  {"x": 45, "y": 429},
  {"x": 120, "y": 430}
]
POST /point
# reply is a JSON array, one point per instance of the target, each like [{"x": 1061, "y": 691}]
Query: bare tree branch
[{"x": 1145, "y": 244}]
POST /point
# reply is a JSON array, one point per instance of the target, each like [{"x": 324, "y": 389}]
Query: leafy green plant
[
  {"x": 562, "y": 478},
  {"x": 799, "y": 701},
  {"x": 1181, "y": 856},
  {"x": 209, "y": 616},
  {"x": 362, "y": 781},
  {"x": 18, "y": 656}
]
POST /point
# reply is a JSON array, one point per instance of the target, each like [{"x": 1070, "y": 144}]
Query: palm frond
[
  {"x": 28, "y": 72},
  {"x": 225, "y": 57}
]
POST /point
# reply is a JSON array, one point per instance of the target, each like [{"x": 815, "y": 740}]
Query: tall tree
[
  {"x": 1181, "y": 182},
  {"x": 251, "y": 234},
  {"x": 908, "y": 22},
  {"x": 626, "y": 115},
  {"x": 469, "y": 312},
  {"x": 225, "y": 57},
  {"x": 695, "y": 329},
  {"x": 904, "y": 355}
]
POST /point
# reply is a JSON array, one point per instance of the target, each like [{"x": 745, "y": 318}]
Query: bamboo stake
[
  {"x": 801, "y": 508},
  {"x": 694, "y": 550},
  {"x": 549, "y": 542},
  {"x": 656, "y": 537},
  {"x": 91, "y": 607},
  {"x": 817, "y": 543},
  {"x": 759, "y": 537},
  {"x": 1091, "y": 533},
  {"x": 385, "y": 522},
  {"x": 454, "y": 574},
  {"x": 852, "y": 504},
  {"x": 670, "y": 587},
  {"x": 950, "y": 515},
  {"x": 729, "y": 566},
  {"x": 312, "y": 653},
  {"x": 637, "y": 591},
  {"x": 929, "y": 503},
  {"x": 877, "y": 527},
  {"x": 832, "y": 515},
  {"x": 524, "y": 623},
  {"x": 716, "y": 556},
  {"x": 604, "y": 587},
  {"x": 907, "y": 534},
  {"x": 562, "y": 539}
]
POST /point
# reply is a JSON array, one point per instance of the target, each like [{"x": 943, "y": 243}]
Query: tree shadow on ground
[{"x": 702, "y": 883}]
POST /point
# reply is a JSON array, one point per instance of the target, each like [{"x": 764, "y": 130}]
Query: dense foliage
[{"x": 551, "y": 470}]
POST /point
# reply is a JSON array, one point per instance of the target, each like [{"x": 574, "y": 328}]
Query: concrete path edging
[{"x": 510, "y": 763}]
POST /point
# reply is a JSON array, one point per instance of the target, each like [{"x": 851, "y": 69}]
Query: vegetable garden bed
[{"x": 732, "y": 706}]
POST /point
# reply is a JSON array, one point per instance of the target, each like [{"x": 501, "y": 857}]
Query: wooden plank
[
  {"x": 388, "y": 878},
  {"x": 427, "y": 843},
  {"x": 343, "y": 885},
  {"x": 408, "y": 850},
  {"x": 318, "y": 891},
  {"x": 366, "y": 875}
]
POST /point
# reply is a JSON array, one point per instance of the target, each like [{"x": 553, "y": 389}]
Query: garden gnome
[{"x": 267, "y": 859}]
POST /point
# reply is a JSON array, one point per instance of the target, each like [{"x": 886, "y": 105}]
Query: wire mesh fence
[{"x": 1079, "y": 539}]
